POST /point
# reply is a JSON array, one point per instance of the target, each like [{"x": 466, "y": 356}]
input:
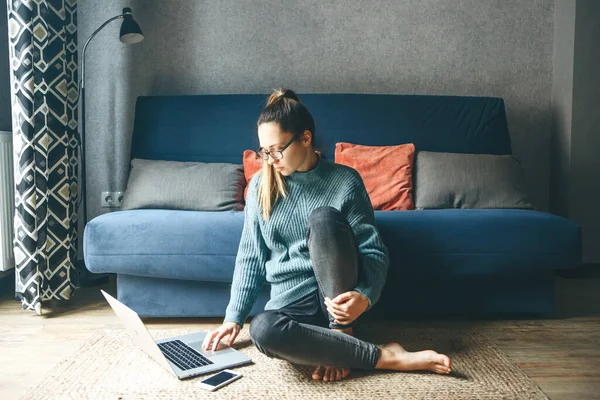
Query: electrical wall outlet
[{"x": 112, "y": 199}]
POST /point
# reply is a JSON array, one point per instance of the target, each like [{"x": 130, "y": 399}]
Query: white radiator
[{"x": 7, "y": 201}]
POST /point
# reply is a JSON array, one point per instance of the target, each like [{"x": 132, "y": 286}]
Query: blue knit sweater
[{"x": 276, "y": 250}]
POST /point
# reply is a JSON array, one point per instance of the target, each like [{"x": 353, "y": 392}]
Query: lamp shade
[{"x": 130, "y": 30}]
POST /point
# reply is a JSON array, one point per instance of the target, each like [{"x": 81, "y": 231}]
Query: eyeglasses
[{"x": 275, "y": 154}]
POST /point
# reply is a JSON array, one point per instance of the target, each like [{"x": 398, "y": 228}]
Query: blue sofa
[{"x": 174, "y": 263}]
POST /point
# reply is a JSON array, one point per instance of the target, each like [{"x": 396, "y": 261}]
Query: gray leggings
[{"x": 301, "y": 332}]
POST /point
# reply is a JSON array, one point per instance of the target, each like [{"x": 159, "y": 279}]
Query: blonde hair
[
  {"x": 271, "y": 188},
  {"x": 283, "y": 107}
]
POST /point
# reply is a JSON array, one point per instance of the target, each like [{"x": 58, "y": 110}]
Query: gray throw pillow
[
  {"x": 184, "y": 186},
  {"x": 457, "y": 180}
]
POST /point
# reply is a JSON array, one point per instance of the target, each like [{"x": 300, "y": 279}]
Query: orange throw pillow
[
  {"x": 252, "y": 164},
  {"x": 385, "y": 170}
]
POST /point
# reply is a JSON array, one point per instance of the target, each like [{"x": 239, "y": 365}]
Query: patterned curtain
[{"x": 43, "y": 60}]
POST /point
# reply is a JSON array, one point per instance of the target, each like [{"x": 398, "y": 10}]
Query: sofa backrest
[{"x": 218, "y": 128}]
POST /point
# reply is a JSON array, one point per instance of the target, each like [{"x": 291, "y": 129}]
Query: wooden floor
[{"x": 561, "y": 355}]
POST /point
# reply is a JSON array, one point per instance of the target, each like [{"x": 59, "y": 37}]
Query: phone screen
[{"x": 218, "y": 378}]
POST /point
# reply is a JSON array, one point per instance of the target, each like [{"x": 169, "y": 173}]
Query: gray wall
[
  {"x": 585, "y": 138},
  {"x": 562, "y": 105},
  {"x": 5, "y": 113},
  {"x": 575, "y": 170},
  {"x": 459, "y": 47}
]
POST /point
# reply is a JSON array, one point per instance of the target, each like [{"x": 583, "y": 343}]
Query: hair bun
[{"x": 281, "y": 93}]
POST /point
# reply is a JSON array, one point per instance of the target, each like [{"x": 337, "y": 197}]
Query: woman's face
[{"x": 295, "y": 157}]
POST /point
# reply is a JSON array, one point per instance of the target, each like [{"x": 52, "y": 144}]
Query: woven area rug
[{"x": 109, "y": 366}]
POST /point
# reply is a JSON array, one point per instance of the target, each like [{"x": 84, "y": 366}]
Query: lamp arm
[{"x": 82, "y": 80}]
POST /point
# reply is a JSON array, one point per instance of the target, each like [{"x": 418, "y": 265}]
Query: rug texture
[{"x": 109, "y": 366}]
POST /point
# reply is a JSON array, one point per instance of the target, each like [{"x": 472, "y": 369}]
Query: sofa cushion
[
  {"x": 178, "y": 127},
  {"x": 456, "y": 242},
  {"x": 178, "y": 244},
  {"x": 452, "y": 180},
  {"x": 385, "y": 170},
  {"x": 184, "y": 186}
]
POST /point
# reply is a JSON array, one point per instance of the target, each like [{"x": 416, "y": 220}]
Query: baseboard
[{"x": 583, "y": 271}]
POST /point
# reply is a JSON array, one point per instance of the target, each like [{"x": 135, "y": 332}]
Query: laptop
[{"x": 181, "y": 355}]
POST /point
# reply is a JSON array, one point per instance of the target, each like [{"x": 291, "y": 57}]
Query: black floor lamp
[{"x": 130, "y": 33}]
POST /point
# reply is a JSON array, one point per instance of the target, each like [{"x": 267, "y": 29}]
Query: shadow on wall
[
  {"x": 530, "y": 130},
  {"x": 560, "y": 150}
]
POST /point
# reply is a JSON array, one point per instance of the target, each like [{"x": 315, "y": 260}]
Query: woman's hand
[
  {"x": 213, "y": 338},
  {"x": 347, "y": 307}
]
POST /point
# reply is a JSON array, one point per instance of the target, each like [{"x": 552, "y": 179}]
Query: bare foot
[
  {"x": 330, "y": 374},
  {"x": 395, "y": 357}
]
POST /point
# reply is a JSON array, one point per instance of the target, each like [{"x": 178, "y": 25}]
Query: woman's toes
[
  {"x": 332, "y": 374},
  {"x": 444, "y": 360},
  {"x": 441, "y": 369},
  {"x": 318, "y": 373},
  {"x": 439, "y": 358}
]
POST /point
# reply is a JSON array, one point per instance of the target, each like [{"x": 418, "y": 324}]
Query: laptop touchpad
[{"x": 198, "y": 346}]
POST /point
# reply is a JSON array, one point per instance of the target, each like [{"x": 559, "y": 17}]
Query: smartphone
[{"x": 219, "y": 380}]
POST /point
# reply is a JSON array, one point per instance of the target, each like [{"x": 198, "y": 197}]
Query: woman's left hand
[{"x": 347, "y": 307}]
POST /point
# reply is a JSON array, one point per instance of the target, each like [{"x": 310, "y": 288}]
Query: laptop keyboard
[{"x": 183, "y": 355}]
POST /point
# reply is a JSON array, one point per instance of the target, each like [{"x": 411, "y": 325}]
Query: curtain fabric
[{"x": 43, "y": 62}]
